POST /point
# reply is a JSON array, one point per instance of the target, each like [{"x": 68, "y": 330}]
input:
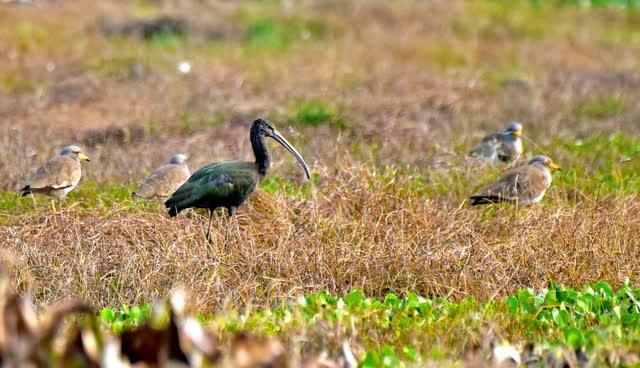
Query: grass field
[{"x": 383, "y": 99}]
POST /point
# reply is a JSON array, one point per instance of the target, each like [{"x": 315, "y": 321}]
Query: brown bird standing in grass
[
  {"x": 505, "y": 146},
  {"x": 59, "y": 175},
  {"x": 524, "y": 184},
  {"x": 229, "y": 184},
  {"x": 164, "y": 180}
]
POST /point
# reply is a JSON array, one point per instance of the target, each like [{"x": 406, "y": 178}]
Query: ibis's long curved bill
[{"x": 280, "y": 139}]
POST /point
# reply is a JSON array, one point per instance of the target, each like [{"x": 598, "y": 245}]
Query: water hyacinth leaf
[
  {"x": 588, "y": 290},
  {"x": 355, "y": 299},
  {"x": 525, "y": 299},
  {"x": 544, "y": 316},
  {"x": 573, "y": 337},
  {"x": 108, "y": 315},
  {"x": 372, "y": 303},
  {"x": 389, "y": 358},
  {"x": 118, "y": 327},
  {"x": 392, "y": 300},
  {"x": 563, "y": 318},
  {"x": 570, "y": 296},
  {"x": 583, "y": 306},
  {"x": 602, "y": 305},
  {"x": 524, "y": 295},
  {"x": 617, "y": 312},
  {"x": 135, "y": 314},
  {"x": 539, "y": 300},
  {"x": 512, "y": 302},
  {"x": 410, "y": 353},
  {"x": 321, "y": 301},
  {"x": 604, "y": 289},
  {"x": 551, "y": 297},
  {"x": 630, "y": 320},
  {"x": 412, "y": 297},
  {"x": 604, "y": 319},
  {"x": 371, "y": 360}
]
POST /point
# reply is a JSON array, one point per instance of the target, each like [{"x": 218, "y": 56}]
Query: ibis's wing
[{"x": 215, "y": 183}]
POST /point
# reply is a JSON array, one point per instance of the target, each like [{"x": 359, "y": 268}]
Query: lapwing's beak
[
  {"x": 553, "y": 166},
  {"x": 83, "y": 157},
  {"x": 280, "y": 139}
]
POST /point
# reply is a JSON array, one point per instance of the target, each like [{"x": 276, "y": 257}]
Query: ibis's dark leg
[
  {"x": 209, "y": 228},
  {"x": 226, "y": 237},
  {"x": 231, "y": 211}
]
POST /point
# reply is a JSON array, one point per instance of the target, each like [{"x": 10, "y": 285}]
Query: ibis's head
[
  {"x": 178, "y": 159},
  {"x": 513, "y": 128},
  {"x": 266, "y": 129},
  {"x": 75, "y": 152},
  {"x": 545, "y": 162}
]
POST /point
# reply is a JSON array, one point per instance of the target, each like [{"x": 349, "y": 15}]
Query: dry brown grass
[
  {"x": 357, "y": 230},
  {"x": 417, "y": 82}
]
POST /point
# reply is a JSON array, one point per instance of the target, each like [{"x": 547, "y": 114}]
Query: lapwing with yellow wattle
[
  {"x": 164, "y": 180},
  {"x": 522, "y": 185},
  {"x": 58, "y": 176},
  {"x": 505, "y": 146}
]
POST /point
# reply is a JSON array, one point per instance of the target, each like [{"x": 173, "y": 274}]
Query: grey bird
[
  {"x": 59, "y": 175},
  {"x": 505, "y": 146},
  {"x": 164, "y": 180},
  {"x": 524, "y": 184}
]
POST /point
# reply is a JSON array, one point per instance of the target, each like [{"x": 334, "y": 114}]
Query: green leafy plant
[
  {"x": 125, "y": 318},
  {"x": 315, "y": 113}
]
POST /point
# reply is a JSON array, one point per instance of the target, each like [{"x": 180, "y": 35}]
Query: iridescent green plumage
[{"x": 224, "y": 184}]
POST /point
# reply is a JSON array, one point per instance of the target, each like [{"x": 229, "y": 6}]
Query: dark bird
[
  {"x": 505, "y": 146},
  {"x": 524, "y": 184},
  {"x": 229, "y": 184}
]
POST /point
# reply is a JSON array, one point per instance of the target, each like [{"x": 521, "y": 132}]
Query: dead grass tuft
[{"x": 361, "y": 229}]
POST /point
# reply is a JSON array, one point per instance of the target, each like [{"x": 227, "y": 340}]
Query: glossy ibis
[
  {"x": 524, "y": 184},
  {"x": 164, "y": 180},
  {"x": 505, "y": 146},
  {"x": 229, "y": 184}
]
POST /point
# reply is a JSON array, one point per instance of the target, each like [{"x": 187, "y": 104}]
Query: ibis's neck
[{"x": 263, "y": 161}]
